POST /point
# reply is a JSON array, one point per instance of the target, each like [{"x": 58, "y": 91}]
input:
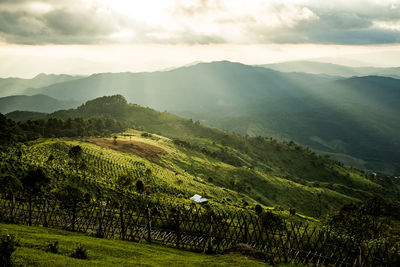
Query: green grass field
[{"x": 102, "y": 252}]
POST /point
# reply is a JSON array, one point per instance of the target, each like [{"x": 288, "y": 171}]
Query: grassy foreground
[{"x": 103, "y": 252}]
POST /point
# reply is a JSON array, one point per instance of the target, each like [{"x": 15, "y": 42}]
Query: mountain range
[
  {"x": 314, "y": 67},
  {"x": 16, "y": 86},
  {"x": 353, "y": 119}
]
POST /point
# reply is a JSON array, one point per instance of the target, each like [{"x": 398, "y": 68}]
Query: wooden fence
[{"x": 196, "y": 228}]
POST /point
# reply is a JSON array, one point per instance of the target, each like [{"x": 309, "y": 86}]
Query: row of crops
[
  {"x": 99, "y": 164},
  {"x": 104, "y": 166}
]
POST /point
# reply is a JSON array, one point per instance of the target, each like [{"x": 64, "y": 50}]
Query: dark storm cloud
[
  {"x": 54, "y": 27},
  {"x": 21, "y": 27},
  {"x": 203, "y": 22}
]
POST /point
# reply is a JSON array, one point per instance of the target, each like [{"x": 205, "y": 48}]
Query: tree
[
  {"x": 9, "y": 131},
  {"x": 33, "y": 183},
  {"x": 11, "y": 185},
  {"x": 72, "y": 194},
  {"x": 365, "y": 221}
]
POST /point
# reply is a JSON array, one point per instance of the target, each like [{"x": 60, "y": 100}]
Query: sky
[{"x": 89, "y": 36}]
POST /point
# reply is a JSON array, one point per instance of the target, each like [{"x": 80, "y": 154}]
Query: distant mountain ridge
[
  {"x": 198, "y": 88},
  {"x": 314, "y": 67},
  {"x": 36, "y": 103},
  {"x": 17, "y": 86}
]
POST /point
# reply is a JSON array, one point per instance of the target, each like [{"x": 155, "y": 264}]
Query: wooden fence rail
[{"x": 195, "y": 228}]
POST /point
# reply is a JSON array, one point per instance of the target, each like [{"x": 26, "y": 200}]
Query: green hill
[
  {"x": 186, "y": 157},
  {"x": 359, "y": 117},
  {"x": 26, "y": 115}
]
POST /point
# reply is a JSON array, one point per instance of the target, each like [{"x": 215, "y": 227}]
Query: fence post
[
  {"x": 45, "y": 223},
  {"x": 178, "y": 233},
  {"x": 100, "y": 221},
  {"x": 30, "y": 212},
  {"x": 246, "y": 230},
  {"x": 148, "y": 224},
  {"x": 122, "y": 231},
  {"x": 13, "y": 207},
  {"x": 74, "y": 216},
  {"x": 208, "y": 243},
  {"x": 288, "y": 248}
]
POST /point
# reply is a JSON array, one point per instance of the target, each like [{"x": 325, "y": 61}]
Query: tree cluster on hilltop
[{"x": 23, "y": 131}]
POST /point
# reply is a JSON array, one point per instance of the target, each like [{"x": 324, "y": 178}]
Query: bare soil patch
[{"x": 147, "y": 151}]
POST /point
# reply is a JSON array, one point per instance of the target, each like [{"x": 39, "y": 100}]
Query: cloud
[{"x": 199, "y": 21}]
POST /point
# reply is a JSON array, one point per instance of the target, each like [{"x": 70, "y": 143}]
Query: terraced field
[{"x": 170, "y": 169}]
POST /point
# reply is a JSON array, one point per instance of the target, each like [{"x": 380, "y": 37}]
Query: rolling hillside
[
  {"x": 187, "y": 158},
  {"x": 358, "y": 117}
]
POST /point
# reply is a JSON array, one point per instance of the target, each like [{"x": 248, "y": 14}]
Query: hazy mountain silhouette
[
  {"x": 37, "y": 103},
  {"x": 197, "y": 88},
  {"x": 314, "y": 67},
  {"x": 16, "y": 86}
]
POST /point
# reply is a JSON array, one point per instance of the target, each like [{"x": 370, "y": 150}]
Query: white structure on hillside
[{"x": 199, "y": 199}]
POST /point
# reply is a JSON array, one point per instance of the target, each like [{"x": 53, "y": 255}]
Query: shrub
[
  {"x": 272, "y": 221},
  {"x": 292, "y": 211},
  {"x": 53, "y": 247},
  {"x": 8, "y": 244},
  {"x": 80, "y": 253},
  {"x": 146, "y": 135},
  {"x": 139, "y": 186},
  {"x": 258, "y": 209}
]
